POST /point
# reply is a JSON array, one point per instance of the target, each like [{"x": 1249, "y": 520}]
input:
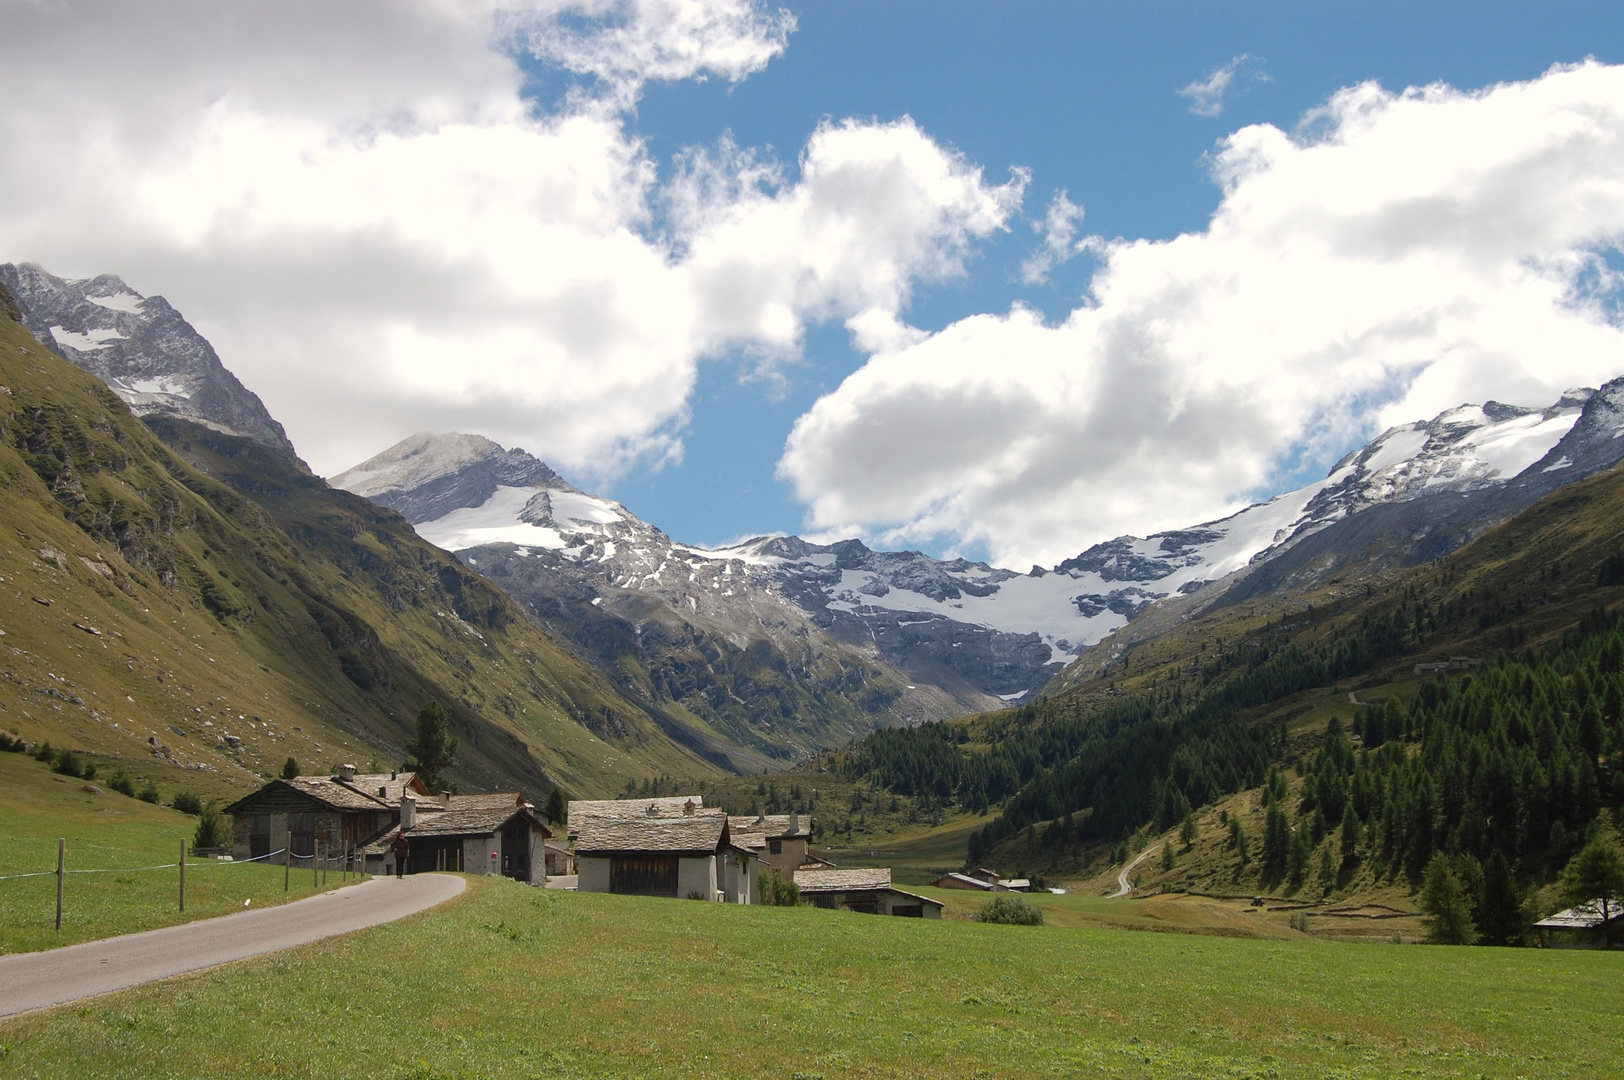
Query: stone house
[
  {"x": 497, "y": 833},
  {"x": 339, "y": 813},
  {"x": 687, "y": 855},
  {"x": 779, "y": 842}
]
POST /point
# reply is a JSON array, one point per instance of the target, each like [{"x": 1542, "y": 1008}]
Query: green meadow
[
  {"x": 112, "y": 834},
  {"x": 509, "y": 981}
]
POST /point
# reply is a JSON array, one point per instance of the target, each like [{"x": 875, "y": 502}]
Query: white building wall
[
  {"x": 594, "y": 874},
  {"x": 697, "y": 875}
]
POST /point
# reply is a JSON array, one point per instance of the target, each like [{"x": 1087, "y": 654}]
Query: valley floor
[{"x": 509, "y": 981}]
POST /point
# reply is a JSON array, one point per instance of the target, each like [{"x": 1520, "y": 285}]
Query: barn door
[
  {"x": 259, "y": 835},
  {"x": 643, "y": 874},
  {"x": 302, "y": 834}
]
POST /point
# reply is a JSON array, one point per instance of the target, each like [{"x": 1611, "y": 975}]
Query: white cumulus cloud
[
  {"x": 1401, "y": 254},
  {"x": 382, "y": 234}
]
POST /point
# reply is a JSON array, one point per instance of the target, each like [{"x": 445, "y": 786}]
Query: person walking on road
[{"x": 402, "y": 849}]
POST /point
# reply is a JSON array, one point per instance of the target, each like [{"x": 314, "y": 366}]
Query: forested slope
[{"x": 1518, "y": 750}]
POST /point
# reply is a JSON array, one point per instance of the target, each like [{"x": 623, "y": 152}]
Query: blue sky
[
  {"x": 396, "y": 216},
  {"x": 1086, "y": 97}
]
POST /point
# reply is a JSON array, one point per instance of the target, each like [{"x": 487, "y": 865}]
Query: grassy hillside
[
  {"x": 199, "y": 634},
  {"x": 633, "y": 987},
  {"x": 115, "y": 835}
]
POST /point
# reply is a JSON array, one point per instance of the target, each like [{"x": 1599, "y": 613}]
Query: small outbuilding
[
  {"x": 867, "y": 891},
  {"x": 1596, "y": 924}
]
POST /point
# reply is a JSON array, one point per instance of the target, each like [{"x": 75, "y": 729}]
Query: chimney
[
  {"x": 794, "y": 823},
  {"x": 392, "y": 774},
  {"x": 383, "y": 790},
  {"x": 408, "y": 813},
  {"x": 653, "y": 811},
  {"x": 346, "y": 773},
  {"x": 688, "y": 808},
  {"x": 445, "y": 799}
]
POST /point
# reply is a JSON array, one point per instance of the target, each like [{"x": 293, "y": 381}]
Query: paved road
[
  {"x": 39, "y": 980},
  {"x": 1124, "y": 887}
]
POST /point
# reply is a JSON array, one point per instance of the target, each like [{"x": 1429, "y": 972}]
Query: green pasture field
[
  {"x": 513, "y": 982},
  {"x": 108, "y": 831}
]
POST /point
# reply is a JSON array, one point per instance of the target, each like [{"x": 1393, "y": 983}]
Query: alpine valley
[{"x": 161, "y": 511}]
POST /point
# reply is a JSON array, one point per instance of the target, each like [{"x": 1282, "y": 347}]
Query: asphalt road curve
[
  {"x": 39, "y": 980},
  {"x": 1124, "y": 886}
]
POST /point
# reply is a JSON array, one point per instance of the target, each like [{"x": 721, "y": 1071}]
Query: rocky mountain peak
[
  {"x": 426, "y": 476},
  {"x": 142, "y": 348}
]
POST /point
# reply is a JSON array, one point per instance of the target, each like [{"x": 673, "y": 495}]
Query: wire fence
[
  {"x": 319, "y": 862},
  {"x": 160, "y": 866}
]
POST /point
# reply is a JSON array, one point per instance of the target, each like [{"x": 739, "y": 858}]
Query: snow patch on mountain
[{"x": 142, "y": 349}]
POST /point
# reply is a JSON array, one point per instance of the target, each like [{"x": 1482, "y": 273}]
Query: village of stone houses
[{"x": 389, "y": 824}]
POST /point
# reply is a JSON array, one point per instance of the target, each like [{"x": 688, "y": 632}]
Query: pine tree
[
  {"x": 1187, "y": 831},
  {"x": 1276, "y": 838},
  {"x": 1448, "y": 909},
  {"x": 556, "y": 807},
  {"x": 1350, "y": 834},
  {"x": 1501, "y": 910},
  {"x": 435, "y": 748},
  {"x": 290, "y": 769}
]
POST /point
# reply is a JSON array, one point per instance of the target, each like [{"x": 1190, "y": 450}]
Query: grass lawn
[
  {"x": 108, "y": 831},
  {"x": 509, "y": 981}
]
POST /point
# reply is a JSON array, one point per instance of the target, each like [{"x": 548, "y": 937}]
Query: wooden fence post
[
  {"x": 287, "y": 862},
  {"x": 183, "y": 874},
  {"x": 61, "y": 865}
]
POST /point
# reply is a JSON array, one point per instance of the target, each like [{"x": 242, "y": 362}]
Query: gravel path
[{"x": 39, "y": 980}]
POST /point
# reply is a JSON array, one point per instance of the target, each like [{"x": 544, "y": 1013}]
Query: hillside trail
[
  {"x": 39, "y": 980},
  {"x": 1124, "y": 886}
]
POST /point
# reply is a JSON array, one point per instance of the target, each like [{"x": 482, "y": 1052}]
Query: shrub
[
  {"x": 11, "y": 744},
  {"x": 290, "y": 769},
  {"x": 776, "y": 892},
  {"x": 121, "y": 784},
  {"x": 212, "y": 829},
  {"x": 187, "y": 802},
  {"x": 67, "y": 763},
  {"x": 44, "y": 752},
  {"x": 1010, "y": 910},
  {"x": 149, "y": 793}
]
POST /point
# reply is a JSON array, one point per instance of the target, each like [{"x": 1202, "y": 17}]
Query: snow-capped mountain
[
  {"x": 968, "y": 628},
  {"x": 141, "y": 348}
]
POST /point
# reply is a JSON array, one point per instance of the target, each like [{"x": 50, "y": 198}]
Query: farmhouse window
[{"x": 775, "y": 846}]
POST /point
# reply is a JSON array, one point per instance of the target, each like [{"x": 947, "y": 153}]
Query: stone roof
[
  {"x": 580, "y": 811},
  {"x": 468, "y": 822},
  {"x": 393, "y": 787},
  {"x": 964, "y": 881},
  {"x": 495, "y": 800},
  {"x": 454, "y": 823},
  {"x": 697, "y": 832},
  {"x": 332, "y": 793},
  {"x": 773, "y": 826},
  {"x": 817, "y": 881},
  {"x": 1586, "y": 916}
]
